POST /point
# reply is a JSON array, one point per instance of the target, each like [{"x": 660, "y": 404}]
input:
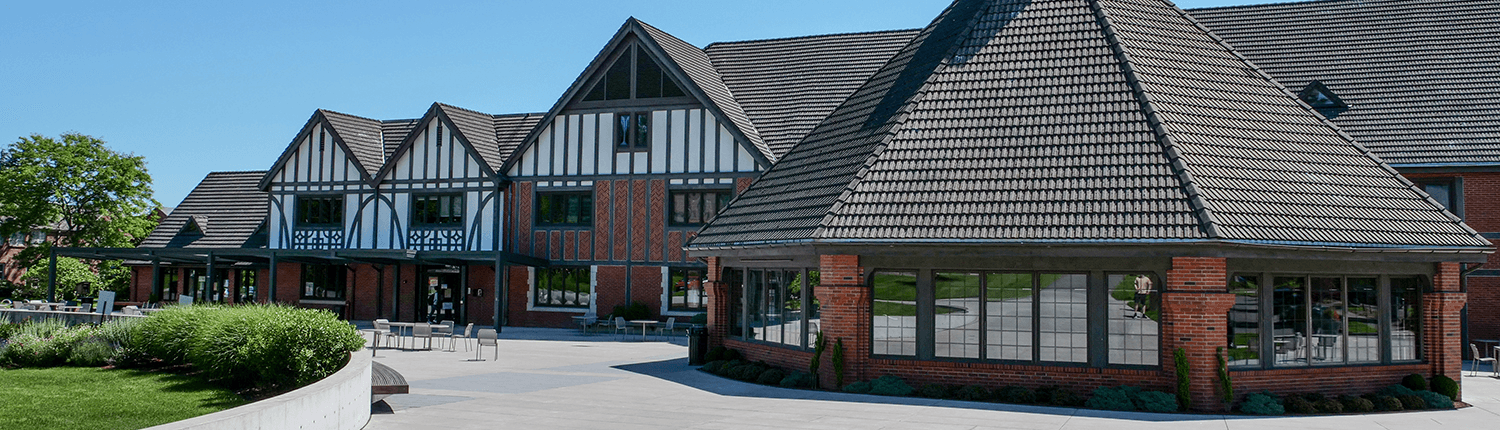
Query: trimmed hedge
[
  {"x": 1446, "y": 386},
  {"x": 1262, "y": 403},
  {"x": 890, "y": 386},
  {"x": 1415, "y": 382}
]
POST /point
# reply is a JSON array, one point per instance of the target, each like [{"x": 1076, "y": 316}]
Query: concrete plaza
[{"x": 558, "y": 379}]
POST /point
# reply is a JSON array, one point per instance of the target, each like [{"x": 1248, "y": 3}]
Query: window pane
[
  {"x": 670, "y": 88},
  {"x": 755, "y": 303},
  {"x": 1289, "y": 321},
  {"x": 1327, "y": 319},
  {"x": 687, "y": 289},
  {"x": 772, "y": 309},
  {"x": 1406, "y": 318},
  {"x": 709, "y": 208},
  {"x": 1362, "y": 315},
  {"x": 1064, "y": 318},
  {"x": 586, "y": 210},
  {"x": 734, "y": 281},
  {"x": 813, "y": 308},
  {"x": 1134, "y": 320},
  {"x": 1244, "y": 322},
  {"x": 622, "y": 131},
  {"x": 643, "y": 130},
  {"x": 956, "y": 314},
  {"x": 791, "y": 309},
  {"x": 647, "y": 77},
  {"x": 894, "y": 313},
  {"x": 679, "y": 208},
  {"x": 695, "y": 205},
  {"x": 1008, "y": 314},
  {"x": 1443, "y": 193},
  {"x": 618, "y": 79}
]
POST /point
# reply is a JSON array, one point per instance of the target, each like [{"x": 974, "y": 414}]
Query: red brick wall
[
  {"x": 617, "y": 225},
  {"x": 524, "y": 215},
  {"x": 366, "y": 281},
  {"x": 288, "y": 280},
  {"x": 718, "y": 303},
  {"x": 519, "y": 316},
  {"x": 1195, "y": 309},
  {"x": 640, "y": 201},
  {"x": 609, "y": 290},
  {"x": 656, "y": 217},
  {"x": 845, "y": 315},
  {"x": 1442, "y": 329},
  {"x": 481, "y": 309},
  {"x": 140, "y": 284},
  {"x": 1484, "y": 308},
  {"x": 601, "y": 220},
  {"x": 645, "y": 287}
]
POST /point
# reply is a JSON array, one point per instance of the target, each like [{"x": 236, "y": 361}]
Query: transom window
[
  {"x": 562, "y": 287},
  {"x": 698, "y": 207},
  {"x": 438, "y": 210},
  {"x": 320, "y": 211},
  {"x": 634, "y": 75},
  {"x": 633, "y": 131},
  {"x": 565, "y": 209}
]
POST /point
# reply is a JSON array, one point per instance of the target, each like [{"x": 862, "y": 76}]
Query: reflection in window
[
  {"x": 1406, "y": 319},
  {"x": 633, "y": 131},
  {"x": 323, "y": 281},
  {"x": 565, "y": 209},
  {"x": 780, "y": 303},
  {"x": 692, "y": 208},
  {"x": 1442, "y": 192},
  {"x": 734, "y": 283},
  {"x": 687, "y": 290},
  {"x": 1244, "y": 322},
  {"x": 438, "y": 210},
  {"x": 1362, "y": 317},
  {"x": 1134, "y": 320},
  {"x": 563, "y": 287},
  {"x": 894, "y": 313},
  {"x": 956, "y": 311},
  {"x": 1063, "y": 321},
  {"x": 1007, "y": 316},
  {"x": 1289, "y": 307},
  {"x": 320, "y": 211}
]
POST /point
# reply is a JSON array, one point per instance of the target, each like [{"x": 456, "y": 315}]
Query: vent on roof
[
  {"x": 191, "y": 228},
  {"x": 634, "y": 75},
  {"x": 1323, "y": 100}
]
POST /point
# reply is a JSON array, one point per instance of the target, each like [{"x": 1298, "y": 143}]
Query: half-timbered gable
[{"x": 320, "y": 179}]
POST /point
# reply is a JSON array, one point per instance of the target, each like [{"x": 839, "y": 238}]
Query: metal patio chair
[
  {"x": 453, "y": 338},
  {"x": 487, "y": 337},
  {"x": 1474, "y": 365}
]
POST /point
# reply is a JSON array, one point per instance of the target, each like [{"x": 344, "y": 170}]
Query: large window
[
  {"x": 563, "y": 287},
  {"x": 438, "y": 210},
  {"x": 320, "y": 211},
  {"x": 697, "y": 207},
  {"x": 1134, "y": 311},
  {"x": 633, "y": 131},
  {"x": 323, "y": 282},
  {"x": 778, "y": 305},
  {"x": 246, "y": 282},
  {"x": 565, "y": 209},
  {"x": 1325, "y": 320},
  {"x": 634, "y": 75},
  {"x": 895, "y": 313},
  {"x": 686, "y": 286}
]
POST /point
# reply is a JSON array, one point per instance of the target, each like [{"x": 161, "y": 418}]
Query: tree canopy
[{"x": 78, "y": 189}]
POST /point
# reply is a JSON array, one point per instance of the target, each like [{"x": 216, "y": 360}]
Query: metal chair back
[{"x": 487, "y": 337}]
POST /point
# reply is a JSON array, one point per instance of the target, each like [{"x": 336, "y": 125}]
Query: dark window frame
[
  {"x": 419, "y": 217},
  {"x": 1384, "y": 299},
  {"x": 327, "y": 218},
  {"x": 809, "y": 305},
  {"x": 721, "y": 198},
  {"x": 1455, "y": 186},
  {"x": 582, "y": 286},
  {"x": 585, "y": 215},
  {"x": 326, "y": 278},
  {"x": 634, "y": 133},
  {"x": 626, "y": 67},
  {"x": 686, "y": 288}
]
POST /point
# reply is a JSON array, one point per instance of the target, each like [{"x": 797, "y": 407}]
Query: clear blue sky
[{"x": 198, "y": 86}]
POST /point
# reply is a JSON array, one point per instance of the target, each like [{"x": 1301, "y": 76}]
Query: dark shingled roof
[
  {"x": 394, "y": 131},
  {"x": 228, "y": 206},
  {"x": 510, "y": 130},
  {"x": 1422, "y": 77},
  {"x": 361, "y": 135},
  {"x": 787, "y": 86},
  {"x": 479, "y": 129},
  {"x": 696, "y": 64},
  {"x": 1079, "y": 121}
]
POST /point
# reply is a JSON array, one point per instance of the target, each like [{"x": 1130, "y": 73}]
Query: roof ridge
[
  {"x": 1323, "y": 119},
  {"x": 348, "y": 115},
  {"x": 1199, "y": 203},
  {"x": 231, "y": 172},
  {"x": 1257, "y": 5},
  {"x": 810, "y": 36},
  {"x": 445, "y": 105}
]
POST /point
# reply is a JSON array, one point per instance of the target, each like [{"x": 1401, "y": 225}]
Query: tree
[
  {"x": 94, "y": 196},
  {"x": 70, "y": 273}
]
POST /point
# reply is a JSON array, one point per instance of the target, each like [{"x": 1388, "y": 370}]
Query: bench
[{"x": 385, "y": 381}]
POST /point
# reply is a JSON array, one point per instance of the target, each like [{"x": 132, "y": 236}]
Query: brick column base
[
  {"x": 845, "y": 314},
  {"x": 1195, "y": 310}
]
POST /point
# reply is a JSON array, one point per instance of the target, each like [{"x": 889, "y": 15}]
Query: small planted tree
[{"x": 817, "y": 359}]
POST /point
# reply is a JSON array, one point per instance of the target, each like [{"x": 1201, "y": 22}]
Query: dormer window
[
  {"x": 191, "y": 228},
  {"x": 634, "y": 75},
  {"x": 1323, "y": 100}
]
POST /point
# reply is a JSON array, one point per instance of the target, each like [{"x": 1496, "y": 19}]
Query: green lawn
[
  {"x": 92, "y": 398},
  {"x": 903, "y": 288}
]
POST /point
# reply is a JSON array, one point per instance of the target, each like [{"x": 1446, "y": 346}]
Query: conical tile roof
[{"x": 1079, "y": 121}]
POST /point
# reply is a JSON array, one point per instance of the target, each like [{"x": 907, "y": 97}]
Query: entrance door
[{"x": 443, "y": 296}]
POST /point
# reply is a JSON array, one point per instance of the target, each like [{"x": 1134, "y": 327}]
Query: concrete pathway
[{"x": 557, "y": 379}]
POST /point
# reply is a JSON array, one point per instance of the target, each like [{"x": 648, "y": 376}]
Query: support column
[
  {"x": 52, "y": 276},
  {"x": 211, "y": 286},
  {"x": 845, "y": 315},
  {"x": 1195, "y": 313},
  {"x": 1442, "y": 322},
  {"x": 500, "y": 291},
  {"x": 155, "y": 280},
  {"x": 271, "y": 292},
  {"x": 717, "y": 301}
]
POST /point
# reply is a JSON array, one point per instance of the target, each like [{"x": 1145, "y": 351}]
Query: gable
[
  {"x": 317, "y": 156},
  {"x": 634, "y": 75},
  {"x": 435, "y": 150}
]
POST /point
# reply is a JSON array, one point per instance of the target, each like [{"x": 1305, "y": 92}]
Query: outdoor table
[
  {"x": 583, "y": 323},
  {"x": 644, "y": 325},
  {"x": 72, "y": 308},
  {"x": 411, "y": 326}
]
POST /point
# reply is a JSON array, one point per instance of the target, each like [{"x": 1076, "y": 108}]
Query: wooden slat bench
[{"x": 385, "y": 381}]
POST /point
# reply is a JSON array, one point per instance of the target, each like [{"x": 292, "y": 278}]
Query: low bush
[
  {"x": 1058, "y": 397},
  {"x": 1415, "y": 382},
  {"x": 1386, "y": 403},
  {"x": 890, "y": 386},
  {"x": 733, "y": 354},
  {"x": 935, "y": 391},
  {"x": 268, "y": 346},
  {"x": 1015, "y": 394},
  {"x": 633, "y": 311},
  {"x": 1397, "y": 391},
  {"x": 797, "y": 380},
  {"x": 1434, "y": 400},
  {"x": 1156, "y": 401},
  {"x": 8, "y": 329},
  {"x": 972, "y": 393},
  {"x": 770, "y": 377},
  {"x": 713, "y": 366},
  {"x": 861, "y": 387},
  {"x": 745, "y": 372},
  {"x": 1446, "y": 386},
  {"x": 1112, "y": 399},
  {"x": 1297, "y": 404},
  {"x": 91, "y": 352},
  {"x": 1411, "y": 402},
  {"x": 1357, "y": 404},
  {"x": 715, "y": 354},
  {"x": 1263, "y": 403},
  {"x": 1328, "y": 406},
  {"x": 168, "y": 335}
]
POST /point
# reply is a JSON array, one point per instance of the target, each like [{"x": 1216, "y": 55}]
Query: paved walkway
[{"x": 556, "y": 379}]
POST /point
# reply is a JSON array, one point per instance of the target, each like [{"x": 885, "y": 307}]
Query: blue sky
[{"x": 197, "y": 87}]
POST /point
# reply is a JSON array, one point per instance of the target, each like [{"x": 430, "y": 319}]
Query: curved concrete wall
[{"x": 339, "y": 402}]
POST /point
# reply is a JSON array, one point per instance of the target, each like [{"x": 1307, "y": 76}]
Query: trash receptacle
[{"x": 697, "y": 345}]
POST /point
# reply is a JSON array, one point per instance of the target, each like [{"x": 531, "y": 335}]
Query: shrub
[
  {"x": 1411, "y": 402},
  {"x": 1397, "y": 391},
  {"x": 713, "y": 366},
  {"x": 1298, "y": 405},
  {"x": 1058, "y": 397},
  {"x": 770, "y": 377},
  {"x": 8, "y": 329},
  {"x": 1015, "y": 394},
  {"x": 1156, "y": 401},
  {"x": 861, "y": 387},
  {"x": 798, "y": 380},
  {"x": 1184, "y": 383},
  {"x": 1262, "y": 403},
  {"x": 1415, "y": 382},
  {"x": 1387, "y": 403},
  {"x": 269, "y": 346},
  {"x": 1221, "y": 372},
  {"x": 820, "y": 344},
  {"x": 745, "y": 372},
  {"x": 972, "y": 393},
  {"x": 890, "y": 386},
  {"x": 1445, "y": 386},
  {"x": 91, "y": 352},
  {"x": 699, "y": 319},
  {"x": 633, "y": 311},
  {"x": 1434, "y": 400},
  {"x": 1357, "y": 404},
  {"x": 733, "y": 354},
  {"x": 168, "y": 335},
  {"x": 935, "y": 391},
  {"x": 728, "y": 365},
  {"x": 715, "y": 354},
  {"x": 1113, "y": 398},
  {"x": 28, "y": 350},
  {"x": 1328, "y": 406},
  {"x": 838, "y": 361}
]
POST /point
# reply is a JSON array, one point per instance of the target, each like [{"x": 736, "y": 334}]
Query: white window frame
[{"x": 593, "y": 294}]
